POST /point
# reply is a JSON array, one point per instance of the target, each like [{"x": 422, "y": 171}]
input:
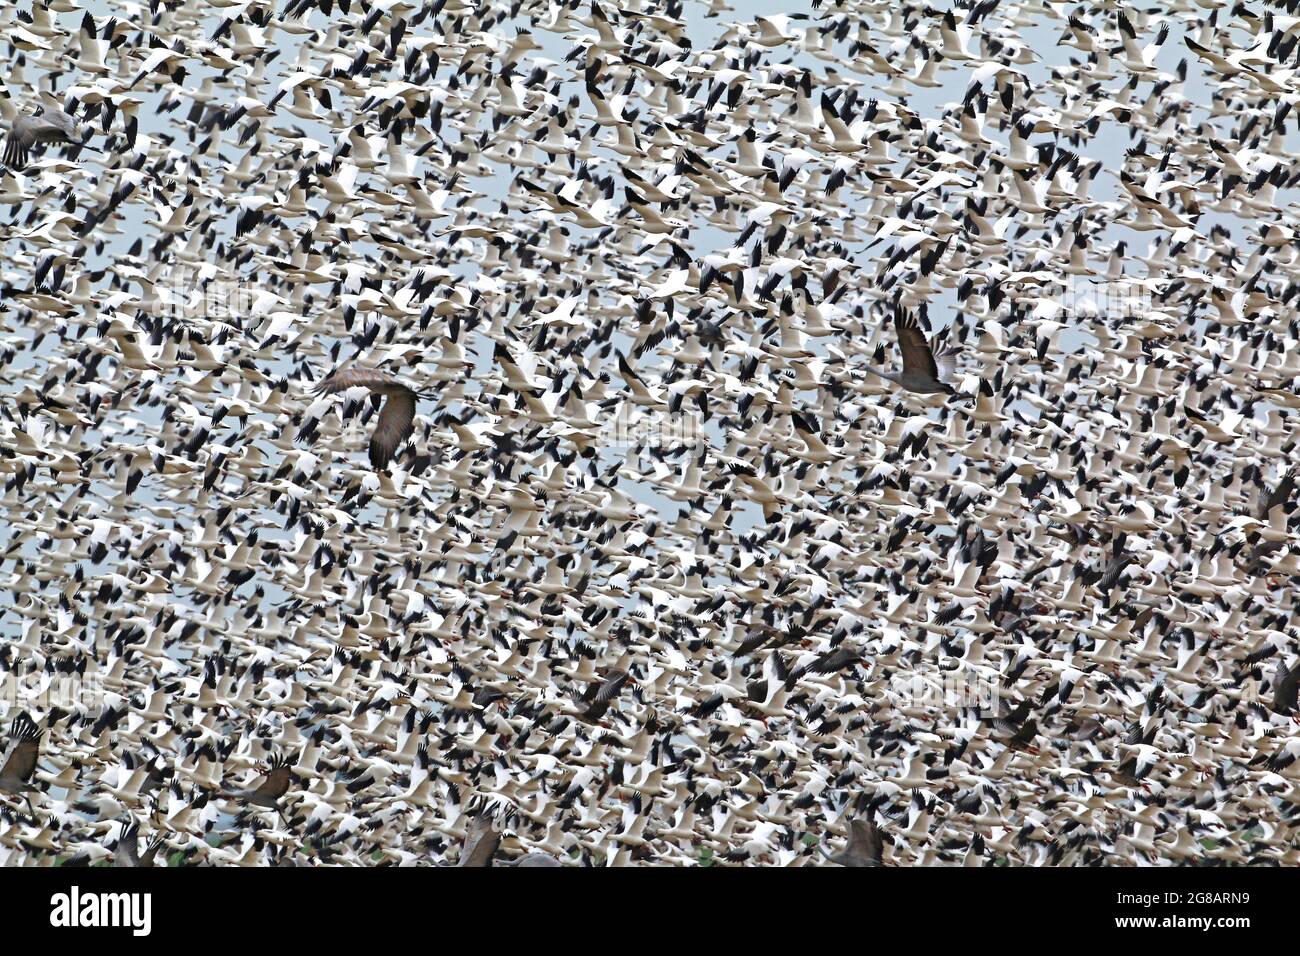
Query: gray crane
[
  {"x": 924, "y": 370},
  {"x": 49, "y": 124}
]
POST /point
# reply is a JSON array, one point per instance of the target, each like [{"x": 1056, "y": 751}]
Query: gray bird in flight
[
  {"x": 866, "y": 846},
  {"x": 50, "y": 124},
  {"x": 126, "y": 852},
  {"x": 18, "y": 762},
  {"x": 481, "y": 841},
  {"x": 396, "y": 421},
  {"x": 924, "y": 370},
  {"x": 275, "y": 784},
  {"x": 1286, "y": 688}
]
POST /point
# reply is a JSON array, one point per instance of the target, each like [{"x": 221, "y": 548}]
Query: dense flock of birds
[{"x": 439, "y": 432}]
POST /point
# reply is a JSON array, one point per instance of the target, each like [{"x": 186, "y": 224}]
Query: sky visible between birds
[{"x": 944, "y": 99}]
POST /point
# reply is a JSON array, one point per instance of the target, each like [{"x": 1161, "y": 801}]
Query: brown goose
[{"x": 483, "y": 839}]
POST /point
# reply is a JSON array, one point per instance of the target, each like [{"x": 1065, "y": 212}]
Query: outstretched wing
[
  {"x": 156, "y": 843},
  {"x": 1281, "y": 495},
  {"x": 396, "y": 422},
  {"x": 946, "y": 359},
  {"x": 1286, "y": 683},
  {"x": 277, "y": 781},
  {"x": 23, "y": 751},
  {"x": 370, "y": 378},
  {"x": 124, "y": 854},
  {"x": 865, "y": 842},
  {"x": 598, "y": 702},
  {"x": 481, "y": 841},
  {"x": 1016, "y": 716},
  {"x": 16, "y": 148},
  {"x": 917, "y": 357},
  {"x": 612, "y": 687}
]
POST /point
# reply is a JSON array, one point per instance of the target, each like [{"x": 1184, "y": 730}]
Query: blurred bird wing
[
  {"x": 1286, "y": 683},
  {"x": 1270, "y": 498},
  {"x": 396, "y": 422},
  {"x": 611, "y": 688},
  {"x": 481, "y": 841},
  {"x": 124, "y": 854},
  {"x": 275, "y": 785},
  {"x": 15, "y": 155},
  {"x": 23, "y": 751},
  {"x": 865, "y": 840},
  {"x": 946, "y": 359}
]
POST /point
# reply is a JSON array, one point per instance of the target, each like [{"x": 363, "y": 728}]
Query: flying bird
[
  {"x": 126, "y": 850},
  {"x": 49, "y": 124},
  {"x": 396, "y": 419},
  {"x": 596, "y": 699},
  {"x": 866, "y": 845},
  {"x": 20, "y": 757},
  {"x": 481, "y": 841},
  {"x": 277, "y": 779},
  {"x": 665, "y": 585},
  {"x": 1286, "y": 686},
  {"x": 925, "y": 371}
]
